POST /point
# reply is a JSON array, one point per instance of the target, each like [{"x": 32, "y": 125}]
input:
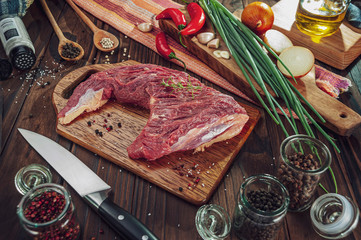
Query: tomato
[{"x": 258, "y": 17}]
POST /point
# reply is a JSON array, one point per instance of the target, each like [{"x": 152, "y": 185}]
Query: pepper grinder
[{"x": 16, "y": 41}]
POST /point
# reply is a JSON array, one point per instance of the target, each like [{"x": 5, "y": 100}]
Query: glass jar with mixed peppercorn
[
  {"x": 301, "y": 165},
  {"x": 261, "y": 207},
  {"x": 47, "y": 212}
]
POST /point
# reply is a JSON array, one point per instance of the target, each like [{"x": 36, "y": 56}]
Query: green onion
[{"x": 247, "y": 50}]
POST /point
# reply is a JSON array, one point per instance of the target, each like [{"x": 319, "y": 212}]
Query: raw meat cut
[{"x": 184, "y": 113}]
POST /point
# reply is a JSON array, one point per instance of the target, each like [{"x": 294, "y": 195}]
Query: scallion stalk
[{"x": 246, "y": 48}]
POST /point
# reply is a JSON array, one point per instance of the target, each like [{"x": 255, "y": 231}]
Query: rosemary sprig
[{"x": 179, "y": 86}]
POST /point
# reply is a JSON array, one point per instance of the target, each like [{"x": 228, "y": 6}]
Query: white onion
[
  {"x": 299, "y": 60},
  {"x": 277, "y": 41}
]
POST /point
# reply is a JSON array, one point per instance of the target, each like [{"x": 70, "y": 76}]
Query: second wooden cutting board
[
  {"x": 339, "y": 118},
  {"x": 191, "y": 176}
]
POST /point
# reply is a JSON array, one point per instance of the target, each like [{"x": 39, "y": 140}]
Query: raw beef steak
[{"x": 184, "y": 113}]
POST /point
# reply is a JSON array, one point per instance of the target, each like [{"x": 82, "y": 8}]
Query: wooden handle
[
  {"x": 339, "y": 118},
  {"x": 51, "y": 18},
  {"x": 83, "y": 16}
]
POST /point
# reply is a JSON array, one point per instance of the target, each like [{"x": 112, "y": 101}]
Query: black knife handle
[{"x": 123, "y": 222}]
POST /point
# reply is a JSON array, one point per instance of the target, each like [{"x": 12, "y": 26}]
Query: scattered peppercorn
[
  {"x": 89, "y": 123},
  {"x": 180, "y": 189},
  {"x": 70, "y": 51},
  {"x": 119, "y": 125},
  {"x": 197, "y": 180}
]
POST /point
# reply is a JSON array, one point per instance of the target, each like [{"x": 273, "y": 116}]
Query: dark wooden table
[{"x": 27, "y": 104}]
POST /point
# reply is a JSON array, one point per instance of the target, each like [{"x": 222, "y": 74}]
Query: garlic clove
[
  {"x": 217, "y": 53},
  {"x": 225, "y": 54},
  {"x": 205, "y": 37},
  {"x": 214, "y": 43},
  {"x": 145, "y": 27}
]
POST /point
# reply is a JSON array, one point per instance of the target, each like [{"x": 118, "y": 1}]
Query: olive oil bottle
[{"x": 320, "y": 17}]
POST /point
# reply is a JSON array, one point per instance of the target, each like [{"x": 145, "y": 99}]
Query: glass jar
[
  {"x": 47, "y": 212},
  {"x": 301, "y": 165},
  {"x": 213, "y": 222},
  {"x": 261, "y": 207},
  {"x": 334, "y": 216}
]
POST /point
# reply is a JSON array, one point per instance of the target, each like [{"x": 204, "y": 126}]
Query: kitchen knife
[{"x": 88, "y": 185}]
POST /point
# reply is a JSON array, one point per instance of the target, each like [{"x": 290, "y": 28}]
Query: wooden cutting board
[
  {"x": 338, "y": 50},
  {"x": 339, "y": 118},
  {"x": 191, "y": 176}
]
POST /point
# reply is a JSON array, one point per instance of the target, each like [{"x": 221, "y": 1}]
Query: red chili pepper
[
  {"x": 176, "y": 15},
  {"x": 178, "y": 18},
  {"x": 164, "y": 49},
  {"x": 198, "y": 18}
]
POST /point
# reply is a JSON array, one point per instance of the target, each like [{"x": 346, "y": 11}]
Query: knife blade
[{"x": 88, "y": 185}]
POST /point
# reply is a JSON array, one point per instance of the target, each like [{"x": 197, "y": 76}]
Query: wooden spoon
[
  {"x": 98, "y": 33},
  {"x": 62, "y": 39}
]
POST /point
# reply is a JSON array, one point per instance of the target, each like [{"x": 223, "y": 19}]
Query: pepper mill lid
[
  {"x": 30, "y": 176},
  {"x": 213, "y": 222},
  {"x": 334, "y": 216},
  {"x": 22, "y": 57}
]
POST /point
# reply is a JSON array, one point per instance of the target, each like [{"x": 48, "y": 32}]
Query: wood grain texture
[
  {"x": 171, "y": 172},
  {"x": 338, "y": 117},
  {"x": 338, "y": 50},
  {"x": 28, "y": 104}
]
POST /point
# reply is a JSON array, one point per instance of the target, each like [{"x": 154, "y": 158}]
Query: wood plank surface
[
  {"x": 28, "y": 104},
  {"x": 191, "y": 176},
  {"x": 338, "y": 50},
  {"x": 338, "y": 117}
]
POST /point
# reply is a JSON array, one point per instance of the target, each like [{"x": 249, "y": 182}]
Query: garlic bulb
[
  {"x": 145, "y": 27},
  {"x": 214, "y": 43},
  {"x": 205, "y": 37}
]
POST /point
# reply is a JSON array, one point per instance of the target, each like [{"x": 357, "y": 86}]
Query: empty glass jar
[{"x": 261, "y": 207}]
